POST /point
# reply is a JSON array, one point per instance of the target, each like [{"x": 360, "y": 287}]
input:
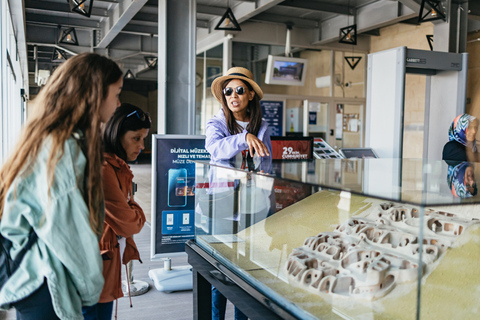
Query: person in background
[
  {"x": 238, "y": 126},
  {"x": 123, "y": 140},
  {"x": 51, "y": 183},
  {"x": 462, "y": 143},
  {"x": 237, "y": 129},
  {"x": 461, "y": 180}
]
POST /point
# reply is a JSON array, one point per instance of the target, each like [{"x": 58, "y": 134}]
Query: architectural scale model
[{"x": 366, "y": 257}]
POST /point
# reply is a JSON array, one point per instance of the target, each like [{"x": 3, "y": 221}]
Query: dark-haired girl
[{"x": 123, "y": 140}]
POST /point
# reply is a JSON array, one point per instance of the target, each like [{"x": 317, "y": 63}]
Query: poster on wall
[
  {"x": 292, "y": 148},
  {"x": 173, "y": 191},
  {"x": 272, "y": 112}
]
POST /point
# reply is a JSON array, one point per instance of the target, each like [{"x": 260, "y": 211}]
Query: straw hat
[{"x": 235, "y": 73}]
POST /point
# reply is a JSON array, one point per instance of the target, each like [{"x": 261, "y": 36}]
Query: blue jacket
[
  {"x": 222, "y": 145},
  {"x": 66, "y": 252}
]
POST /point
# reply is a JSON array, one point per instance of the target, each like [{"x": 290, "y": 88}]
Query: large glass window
[{"x": 208, "y": 67}]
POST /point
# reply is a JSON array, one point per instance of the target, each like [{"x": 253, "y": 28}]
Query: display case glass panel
[{"x": 346, "y": 239}]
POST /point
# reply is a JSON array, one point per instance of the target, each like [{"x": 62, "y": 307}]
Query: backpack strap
[{"x": 32, "y": 238}]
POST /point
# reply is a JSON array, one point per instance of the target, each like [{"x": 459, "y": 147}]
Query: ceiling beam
[
  {"x": 60, "y": 8},
  {"x": 412, "y": 4},
  {"x": 247, "y": 10},
  {"x": 202, "y": 24},
  {"x": 139, "y": 29},
  {"x": 119, "y": 16},
  {"x": 318, "y": 6},
  {"x": 211, "y": 10},
  {"x": 55, "y": 20},
  {"x": 138, "y": 22},
  {"x": 146, "y": 16},
  {"x": 274, "y": 18},
  {"x": 373, "y": 16}
]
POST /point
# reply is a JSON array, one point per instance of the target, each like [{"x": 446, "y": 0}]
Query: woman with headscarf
[
  {"x": 461, "y": 135},
  {"x": 461, "y": 180}
]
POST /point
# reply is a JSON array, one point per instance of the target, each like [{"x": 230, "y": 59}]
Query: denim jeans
[
  {"x": 219, "y": 305},
  {"x": 37, "y": 306},
  {"x": 99, "y": 311}
]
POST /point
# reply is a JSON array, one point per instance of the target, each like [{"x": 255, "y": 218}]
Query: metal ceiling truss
[
  {"x": 367, "y": 18},
  {"x": 63, "y": 9},
  {"x": 319, "y": 6},
  {"x": 118, "y": 20},
  {"x": 117, "y": 27}
]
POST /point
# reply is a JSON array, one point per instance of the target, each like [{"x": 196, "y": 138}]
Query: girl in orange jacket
[{"x": 123, "y": 140}]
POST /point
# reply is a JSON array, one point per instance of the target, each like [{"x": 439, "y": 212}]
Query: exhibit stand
[
  {"x": 342, "y": 249},
  {"x": 173, "y": 201}
]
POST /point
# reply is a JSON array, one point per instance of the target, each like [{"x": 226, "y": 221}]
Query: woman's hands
[{"x": 257, "y": 144}]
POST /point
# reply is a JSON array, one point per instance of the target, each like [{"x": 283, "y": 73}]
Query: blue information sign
[
  {"x": 174, "y": 195},
  {"x": 272, "y": 112}
]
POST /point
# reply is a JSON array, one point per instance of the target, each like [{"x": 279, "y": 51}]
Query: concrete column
[
  {"x": 227, "y": 53},
  {"x": 451, "y": 35},
  {"x": 176, "y": 66}
]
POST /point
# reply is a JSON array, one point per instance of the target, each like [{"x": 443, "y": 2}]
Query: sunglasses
[
  {"x": 240, "y": 90},
  {"x": 144, "y": 116}
]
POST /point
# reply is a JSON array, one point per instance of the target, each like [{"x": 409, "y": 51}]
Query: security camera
[{"x": 348, "y": 84}]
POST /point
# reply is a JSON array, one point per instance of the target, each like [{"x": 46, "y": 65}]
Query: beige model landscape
[{"x": 366, "y": 257}]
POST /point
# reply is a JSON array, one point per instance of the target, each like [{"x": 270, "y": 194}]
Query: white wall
[{"x": 12, "y": 78}]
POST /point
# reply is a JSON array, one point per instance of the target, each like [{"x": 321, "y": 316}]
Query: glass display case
[{"x": 338, "y": 238}]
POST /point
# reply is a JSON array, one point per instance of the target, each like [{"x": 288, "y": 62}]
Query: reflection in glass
[{"x": 461, "y": 180}]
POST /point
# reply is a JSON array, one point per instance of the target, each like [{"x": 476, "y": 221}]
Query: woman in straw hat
[{"x": 238, "y": 126}]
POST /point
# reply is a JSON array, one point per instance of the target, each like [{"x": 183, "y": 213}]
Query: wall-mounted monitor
[{"x": 286, "y": 71}]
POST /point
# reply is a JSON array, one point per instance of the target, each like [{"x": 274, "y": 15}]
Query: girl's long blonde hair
[{"x": 70, "y": 101}]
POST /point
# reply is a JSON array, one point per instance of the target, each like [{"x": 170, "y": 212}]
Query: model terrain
[{"x": 366, "y": 257}]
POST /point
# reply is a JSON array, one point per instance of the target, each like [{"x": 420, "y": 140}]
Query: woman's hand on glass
[{"x": 256, "y": 144}]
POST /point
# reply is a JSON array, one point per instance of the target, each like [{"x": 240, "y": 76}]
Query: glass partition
[
  {"x": 345, "y": 239},
  {"x": 350, "y": 123}
]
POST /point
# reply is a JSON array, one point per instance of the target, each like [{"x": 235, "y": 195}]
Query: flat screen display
[{"x": 286, "y": 71}]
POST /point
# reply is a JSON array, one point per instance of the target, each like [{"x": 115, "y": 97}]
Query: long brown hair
[
  {"x": 253, "y": 109},
  {"x": 70, "y": 101}
]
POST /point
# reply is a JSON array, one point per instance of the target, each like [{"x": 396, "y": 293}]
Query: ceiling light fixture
[
  {"x": 348, "y": 34},
  {"x": 68, "y": 36},
  {"x": 59, "y": 55},
  {"x": 129, "y": 75},
  {"x": 80, "y": 7},
  {"x": 228, "y": 22},
  {"x": 352, "y": 61},
  {"x": 151, "y": 60},
  {"x": 435, "y": 12}
]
